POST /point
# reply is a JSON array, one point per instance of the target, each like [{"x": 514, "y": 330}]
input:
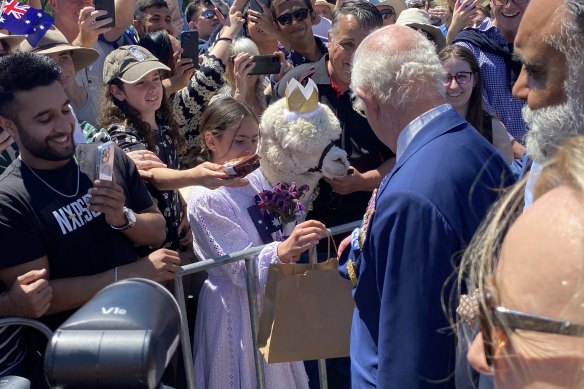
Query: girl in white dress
[{"x": 222, "y": 346}]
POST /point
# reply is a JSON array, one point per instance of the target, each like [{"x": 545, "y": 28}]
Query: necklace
[{"x": 50, "y": 187}]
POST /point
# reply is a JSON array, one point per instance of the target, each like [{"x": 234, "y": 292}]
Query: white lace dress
[{"x": 222, "y": 346}]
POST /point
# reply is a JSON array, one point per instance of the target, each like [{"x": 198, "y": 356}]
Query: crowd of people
[{"x": 459, "y": 149}]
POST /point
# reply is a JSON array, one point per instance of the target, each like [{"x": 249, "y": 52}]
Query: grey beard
[{"x": 550, "y": 126}]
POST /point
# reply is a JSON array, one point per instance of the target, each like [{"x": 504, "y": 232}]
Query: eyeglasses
[
  {"x": 460, "y": 77},
  {"x": 387, "y": 13},
  {"x": 501, "y": 317},
  {"x": 300, "y": 15},
  {"x": 504, "y": 2},
  {"x": 208, "y": 14}
]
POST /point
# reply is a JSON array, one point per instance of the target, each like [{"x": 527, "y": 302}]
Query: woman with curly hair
[{"x": 138, "y": 117}]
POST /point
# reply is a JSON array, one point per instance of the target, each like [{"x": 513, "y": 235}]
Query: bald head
[
  {"x": 397, "y": 58},
  {"x": 541, "y": 264}
]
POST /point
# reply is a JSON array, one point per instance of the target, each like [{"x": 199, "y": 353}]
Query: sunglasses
[
  {"x": 387, "y": 13},
  {"x": 500, "y": 317},
  {"x": 208, "y": 14},
  {"x": 460, "y": 77},
  {"x": 300, "y": 15},
  {"x": 504, "y": 2}
]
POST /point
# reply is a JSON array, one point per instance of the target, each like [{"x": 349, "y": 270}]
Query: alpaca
[{"x": 291, "y": 150}]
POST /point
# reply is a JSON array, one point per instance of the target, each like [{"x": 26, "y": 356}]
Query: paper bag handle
[{"x": 312, "y": 254}]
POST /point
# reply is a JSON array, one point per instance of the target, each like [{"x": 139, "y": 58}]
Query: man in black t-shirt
[{"x": 53, "y": 215}]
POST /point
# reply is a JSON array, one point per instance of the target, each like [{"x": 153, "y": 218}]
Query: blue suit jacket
[{"x": 427, "y": 209}]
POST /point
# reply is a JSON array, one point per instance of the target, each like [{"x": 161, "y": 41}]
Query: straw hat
[
  {"x": 130, "y": 64},
  {"x": 324, "y": 2},
  {"x": 55, "y": 42},
  {"x": 420, "y": 20},
  {"x": 12, "y": 40},
  {"x": 398, "y": 5}
]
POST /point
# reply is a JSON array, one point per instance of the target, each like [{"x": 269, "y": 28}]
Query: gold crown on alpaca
[{"x": 301, "y": 99}]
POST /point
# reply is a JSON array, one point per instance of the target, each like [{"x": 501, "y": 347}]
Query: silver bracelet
[{"x": 116, "y": 274}]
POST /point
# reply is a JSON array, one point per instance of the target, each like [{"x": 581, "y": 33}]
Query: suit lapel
[{"x": 440, "y": 125}]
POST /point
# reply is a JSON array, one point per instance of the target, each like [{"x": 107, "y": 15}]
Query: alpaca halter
[{"x": 318, "y": 168}]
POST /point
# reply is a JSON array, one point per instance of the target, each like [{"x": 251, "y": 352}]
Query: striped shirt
[{"x": 12, "y": 351}]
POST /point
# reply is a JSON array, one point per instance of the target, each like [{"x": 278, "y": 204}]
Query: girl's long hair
[
  {"x": 474, "y": 114},
  {"x": 115, "y": 111},
  {"x": 221, "y": 115}
]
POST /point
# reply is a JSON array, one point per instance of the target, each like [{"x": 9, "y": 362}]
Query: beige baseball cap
[
  {"x": 55, "y": 42},
  {"x": 420, "y": 20},
  {"x": 130, "y": 64}
]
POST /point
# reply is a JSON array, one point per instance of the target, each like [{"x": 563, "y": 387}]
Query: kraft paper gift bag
[{"x": 307, "y": 313}]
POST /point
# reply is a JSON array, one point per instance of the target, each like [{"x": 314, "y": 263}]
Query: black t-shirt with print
[{"x": 36, "y": 221}]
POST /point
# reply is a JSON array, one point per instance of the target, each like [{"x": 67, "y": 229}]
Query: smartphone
[
  {"x": 110, "y": 7},
  {"x": 241, "y": 167},
  {"x": 104, "y": 167},
  {"x": 266, "y": 64},
  {"x": 189, "y": 41},
  {"x": 222, "y": 7},
  {"x": 253, "y": 5}
]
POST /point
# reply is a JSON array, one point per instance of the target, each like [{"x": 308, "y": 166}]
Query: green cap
[{"x": 130, "y": 64}]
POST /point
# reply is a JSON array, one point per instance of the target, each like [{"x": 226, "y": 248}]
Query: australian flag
[{"x": 22, "y": 19}]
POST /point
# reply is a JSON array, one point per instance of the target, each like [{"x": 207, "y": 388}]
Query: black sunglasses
[
  {"x": 209, "y": 14},
  {"x": 300, "y": 15},
  {"x": 501, "y": 317}
]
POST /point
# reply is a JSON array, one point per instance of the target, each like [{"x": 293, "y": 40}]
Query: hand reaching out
[
  {"x": 305, "y": 236},
  {"x": 212, "y": 176},
  {"x": 145, "y": 160}
]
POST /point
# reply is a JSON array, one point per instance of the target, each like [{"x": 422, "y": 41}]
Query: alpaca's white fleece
[{"x": 290, "y": 148}]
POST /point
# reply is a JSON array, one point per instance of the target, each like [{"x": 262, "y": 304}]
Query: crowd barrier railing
[{"x": 247, "y": 255}]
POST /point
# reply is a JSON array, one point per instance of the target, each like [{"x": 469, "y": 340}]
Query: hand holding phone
[
  {"x": 110, "y": 7},
  {"x": 241, "y": 167},
  {"x": 222, "y": 7},
  {"x": 189, "y": 42},
  {"x": 266, "y": 64}
]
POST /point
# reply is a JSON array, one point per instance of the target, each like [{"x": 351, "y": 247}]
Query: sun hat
[
  {"x": 420, "y": 20},
  {"x": 415, "y": 3},
  {"x": 324, "y": 2},
  {"x": 12, "y": 40},
  {"x": 130, "y": 64},
  {"x": 55, "y": 42},
  {"x": 398, "y": 5}
]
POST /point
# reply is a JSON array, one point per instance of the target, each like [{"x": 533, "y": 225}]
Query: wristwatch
[{"x": 130, "y": 220}]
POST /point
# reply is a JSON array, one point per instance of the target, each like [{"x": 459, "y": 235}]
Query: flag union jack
[
  {"x": 22, "y": 19},
  {"x": 16, "y": 9}
]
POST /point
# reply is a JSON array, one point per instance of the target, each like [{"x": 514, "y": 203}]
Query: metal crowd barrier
[{"x": 247, "y": 255}]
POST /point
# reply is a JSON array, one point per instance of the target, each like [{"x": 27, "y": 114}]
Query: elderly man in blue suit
[{"x": 426, "y": 211}]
